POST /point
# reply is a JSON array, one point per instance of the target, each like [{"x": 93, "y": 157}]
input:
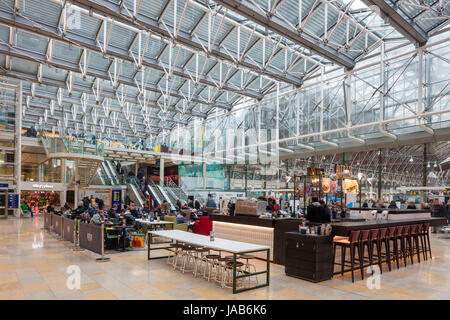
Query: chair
[
  {"x": 364, "y": 241},
  {"x": 352, "y": 243},
  {"x": 426, "y": 239},
  {"x": 176, "y": 226},
  {"x": 378, "y": 237},
  {"x": 110, "y": 237},
  {"x": 414, "y": 235},
  {"x": 203, "y": 226}
]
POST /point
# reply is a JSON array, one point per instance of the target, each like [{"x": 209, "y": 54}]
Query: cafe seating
[
  {"x": 188, "y": 257},
  {"x": 176, "y": 250},
  {"x": 425, "y": 234},
  {"x": 211, "y": 266},
  {"x": 364, "y": 241},
  {"x": 201, "y": 260},
  {"x": 248, "y": 267},
  {"x": 227, "y": 278},
  {"x": 351, "y": 242}
]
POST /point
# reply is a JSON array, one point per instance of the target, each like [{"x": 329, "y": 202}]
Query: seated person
[
  {"x": 112, "y": 213},
  {"x": 92, "y": 210},
  {"x": 133, "y": 210},
  {"x": 79, "y": 210},
  {"x": 50, "y": 208},
  {"x": 129, "y": 219},
  {"x": 98, "y": 218},
  {"x": 392, "y": 205},
  {"x": 181, "y": 218}
]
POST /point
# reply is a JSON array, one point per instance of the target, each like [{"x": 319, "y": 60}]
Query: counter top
[
  {"x": 391, "y": 211},
  {"x": 344, "y": 227}
]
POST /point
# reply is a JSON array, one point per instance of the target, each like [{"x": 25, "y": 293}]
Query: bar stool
[
  {"x": 175, "y": 248},
  {"x": 177, "y": 262},
  {"x": 188, "y": 257},
  {"x": 350, "y": 242},
  {"x": 408, "y": 243},
  {"x": 211, "y": 266},
  {"x": 364, "y": 241},
  {"x": 426, "y": 239},
  {"x": 221, "y": 268},
  {"x": 400, "y": 232},
  {"x": 378, "y": 237},
  {"x": 414, "y": 235},
  {"x": 393, "y": 235},
  {"x": 201, "y": 260},
  {"x": 248, "y": 267},
  {"x": 227, "y": 279}
]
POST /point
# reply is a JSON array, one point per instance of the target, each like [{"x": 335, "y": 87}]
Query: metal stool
[
  {"x": 227, "y": 279},
  {"x": 188, "y": 258},
  {"x": 248, "y": 267},
  {"x": 201, "y": 260},
  {"x": 211, "y": 266}
]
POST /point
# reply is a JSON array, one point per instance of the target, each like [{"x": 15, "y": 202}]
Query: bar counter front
[{"x": 272, "y": 232}]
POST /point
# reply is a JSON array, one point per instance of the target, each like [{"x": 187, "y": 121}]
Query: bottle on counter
[{"x": 211, "y": 236}]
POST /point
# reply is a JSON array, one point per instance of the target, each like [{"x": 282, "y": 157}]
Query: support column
[
  {"x": 204, "y": 174},
  {"x": 161, "y": 171},
  {"x": 245, "y": 181},
  {"x": 62, "y": 198},
  {"x": 76, "y": 177},
  {"x": 425, "y": 169},
  {"x": 18, "y": 143},
  {"x": 380, "y": 172}
]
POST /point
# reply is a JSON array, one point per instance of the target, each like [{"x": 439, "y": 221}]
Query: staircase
[{"x": 86, "y": 171}]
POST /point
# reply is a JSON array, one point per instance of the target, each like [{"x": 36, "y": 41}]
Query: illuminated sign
[{"x": 42, "y": 186}]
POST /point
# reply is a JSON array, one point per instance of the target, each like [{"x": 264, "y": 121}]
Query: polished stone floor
[{"x": 34, "y": 265}]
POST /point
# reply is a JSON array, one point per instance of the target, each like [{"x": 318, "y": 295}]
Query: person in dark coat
[{"x": 316, "y": 213}]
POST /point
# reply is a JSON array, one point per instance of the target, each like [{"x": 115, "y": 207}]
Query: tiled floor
[{"x": 33, "y": 265}]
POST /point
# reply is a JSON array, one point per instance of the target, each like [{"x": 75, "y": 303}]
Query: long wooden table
[
  {"x": 234, "y": 247},
  {"x": 344, "y": 228}
]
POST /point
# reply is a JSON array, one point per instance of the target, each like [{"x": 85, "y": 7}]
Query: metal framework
[{"x": 323, "y": 73}]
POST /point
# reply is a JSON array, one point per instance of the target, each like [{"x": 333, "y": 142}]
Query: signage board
[{"x": 13, "y": 201}]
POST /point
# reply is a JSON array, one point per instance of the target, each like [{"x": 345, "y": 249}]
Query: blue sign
[
  {"x": 117, "y": 199},
  {"x": 13, "y": 201},
  {"x": 4, "y": 185}
]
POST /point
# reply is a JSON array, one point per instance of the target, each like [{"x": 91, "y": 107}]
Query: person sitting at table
[
  {"x": 67, "y": 207},
  {"x": 98, "y": 218},
  {"x": 165, "y": 207},
  {"x": 181, "y": 218},
  {"x": 129, "y": 219},
  {"x": 112, "y": 213},
  {"x": 50, "y": 208},
  {"x": 133, "y": 210},
  {"x": 392, "y": 205},
  {"x": 92, "y": 210},
  {"x": 79, "y": 210}
]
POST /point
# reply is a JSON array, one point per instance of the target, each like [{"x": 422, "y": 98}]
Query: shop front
[{"x": 38, "y": 195}]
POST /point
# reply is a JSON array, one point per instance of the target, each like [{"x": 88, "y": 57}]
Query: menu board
[{"x": 350, "y": 186}]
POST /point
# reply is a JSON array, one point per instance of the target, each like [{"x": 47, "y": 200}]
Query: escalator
[
  {"x": 160, "y": 194},
  {"x": 108, "y": 174},
  {"x": 135, "y": 194},
  {"x": 113, "y": 172},
  {"x": 166, "y": 197},
  {"x": 156, "y": 195}
]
